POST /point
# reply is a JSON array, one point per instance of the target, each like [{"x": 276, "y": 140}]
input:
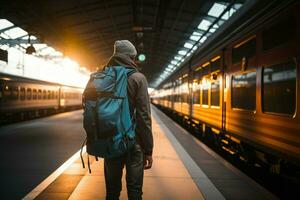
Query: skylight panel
[
  {"x": 168, "y": 70},
  {"x": 40, "y": 46},
  {"x": 194, "y": 49},
  {"x": 174, "y": 62},
  {"x": 196, "y": 33},
  {"x": 178, "y": 57},
  {"x": 212, "y": 30},
  {"x": 203, "y": 39},
  {"x": 226, "y": 15},
  {"x": 182, "y": 52},
  {"x": 25, "y": 45},
  {"x": 237, "y": 6},
  {"x": 194, "y": 37},
  {"x": 32, "y": 37},
  {"x": 198, "y": 37},
  {"x": 4, "y": 36},
  {"x": 232, "y": 11},
  {"x": 4, "y": 47},
  {"x": 216, "y": 10},
  {"x": 47, "y": 51},
  {"x": 170, "y": 66},
  {"x": 188, "y": 45},
  {"x": 163, "y": 76},
  {"x": 204, "y": 24},
  {"x": 5, "y": 24},
  {"x": 15, "y": 33}
]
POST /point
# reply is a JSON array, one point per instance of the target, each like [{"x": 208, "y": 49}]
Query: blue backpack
[{"x": 107, "y": 122}]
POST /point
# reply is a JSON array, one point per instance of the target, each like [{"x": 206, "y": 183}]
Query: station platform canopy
[{"x": 166, "y": 33}]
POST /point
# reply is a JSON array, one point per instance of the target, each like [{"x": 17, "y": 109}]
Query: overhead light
[
  {"x": 142, "y": 57},
  {"x": 30, "y": 49}
]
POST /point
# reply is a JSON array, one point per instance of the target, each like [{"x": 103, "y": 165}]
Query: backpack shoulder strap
[{"x": 131, "y": 71}]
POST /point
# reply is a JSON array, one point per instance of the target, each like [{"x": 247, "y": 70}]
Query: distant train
[
  {"x": 22, "y": 98},
  {"x": 244, "y": 92}
]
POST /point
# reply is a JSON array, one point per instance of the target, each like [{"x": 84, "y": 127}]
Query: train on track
[
  {"x": 243, "y": 91},
  {"x": 22, "y": 98}
]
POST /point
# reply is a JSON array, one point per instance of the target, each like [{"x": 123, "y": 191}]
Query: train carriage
[
  {"x": 245, "y": 92},
  {"x": 22, "y": 98}
]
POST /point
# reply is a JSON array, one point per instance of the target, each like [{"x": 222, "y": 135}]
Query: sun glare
[{"x": 46, "y": 64}]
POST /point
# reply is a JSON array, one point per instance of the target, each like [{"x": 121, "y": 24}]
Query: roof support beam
[
  {"x": 14, "y": 42},
  {"x": 6, "y": 29}
]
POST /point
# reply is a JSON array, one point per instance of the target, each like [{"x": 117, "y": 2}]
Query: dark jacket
[{"x": 139, "y": 100}]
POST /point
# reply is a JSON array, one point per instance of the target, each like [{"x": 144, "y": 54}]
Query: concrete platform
[
  {"x": 183, "y": 168},
  {"x": 167, "y": 179}
]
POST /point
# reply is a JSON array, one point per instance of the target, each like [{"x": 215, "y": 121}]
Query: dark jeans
[{"x": 113, "y": 169}]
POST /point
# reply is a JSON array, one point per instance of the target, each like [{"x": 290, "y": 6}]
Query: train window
[
  {"x": 49, "y": 94},
  {"x": 178, "y": 98},
  {"x": 205, "y": 87},
  {"x": 215, "y": 94},
  {"x": 44, "y": 94},
  {"x": 279, "y": 88},
  {"x": 6, "y": 91},
  {"x": 174, "y": 97},
  {"x": 185, "y": 98},
  {"x": 196, "y": 97},
  {"x": 34, "y": 94},
  {"x": 15, "y": 93},
  {"x": 56, "y": 94},
  {"x": 52, "y": 95},
  {"x": 244, "y": 91},
  {"x": 22, "y": 93},
  {"x": 205, "y": 96},
  {"x": 215, "y": 64},
  {"x": 28, "y": 93},
  {"x": 39, "y": 94},
  {"x": 279, "y": 33},
  {"x": 246, "y": 49}
]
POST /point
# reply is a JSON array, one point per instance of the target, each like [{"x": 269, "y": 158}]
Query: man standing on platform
[{"x": 140, "y": 156}]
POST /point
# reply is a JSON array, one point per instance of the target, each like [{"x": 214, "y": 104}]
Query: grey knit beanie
[{"x": 124, "y": 47}]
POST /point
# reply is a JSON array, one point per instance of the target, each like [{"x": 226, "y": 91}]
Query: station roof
[{"x": 86, "y": 30}]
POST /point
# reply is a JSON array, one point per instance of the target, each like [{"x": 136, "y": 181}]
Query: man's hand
[{"x": 147, "y": 162}]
